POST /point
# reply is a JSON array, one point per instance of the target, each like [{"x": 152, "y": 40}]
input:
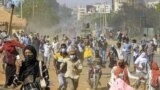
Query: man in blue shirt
[
  {"x": 26, "y": 40},
  {"x": 127, "y": 51}
]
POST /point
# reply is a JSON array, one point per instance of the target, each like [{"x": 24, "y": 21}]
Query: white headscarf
[{"x": 141, "y": 56}]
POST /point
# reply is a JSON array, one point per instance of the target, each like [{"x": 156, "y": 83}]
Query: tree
[
  {"x": 44, "y": 14},
  {"x": 134, "y": 19},
  {"x": 158, "y": 7}
]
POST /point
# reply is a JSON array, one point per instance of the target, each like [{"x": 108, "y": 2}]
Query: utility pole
[
  {"x": 10, "y": 24},
  {"x": 21, "y": 10},
  {"x": 33, "y": 7},
  {"x": 105, "y": 17}
]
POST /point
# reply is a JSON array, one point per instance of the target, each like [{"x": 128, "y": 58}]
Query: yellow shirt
[
  {"x": 60, "y": 60},
  {"x": 88, "y": 52}
]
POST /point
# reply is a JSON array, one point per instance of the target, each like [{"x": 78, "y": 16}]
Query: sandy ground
[{"x": 83, "y": 85}]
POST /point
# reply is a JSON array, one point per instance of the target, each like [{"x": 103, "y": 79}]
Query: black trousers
[{"x": 10, "y": 72}]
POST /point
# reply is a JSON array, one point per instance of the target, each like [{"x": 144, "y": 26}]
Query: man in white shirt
[
  {"x": 141, "y": 64},
  {"x": 47, "y": 53},
  {"x": 55, "y": 46},
  {"x": 119, "y": 51},
  {"x": 135, "y": 51}
]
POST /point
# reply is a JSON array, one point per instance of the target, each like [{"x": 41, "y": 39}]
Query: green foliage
[
  {"x": 133, "y": 19},
  {"x": 44, "y": 14},
  {"x": 158, "y": 7},
  {"x": 64, "y": 12}
]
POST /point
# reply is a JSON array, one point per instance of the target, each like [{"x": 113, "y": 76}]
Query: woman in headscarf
[
  {"x": 29, "y": 72},
  {"x": 155, "y": 76},
  {"x": 121, "y": 71}
]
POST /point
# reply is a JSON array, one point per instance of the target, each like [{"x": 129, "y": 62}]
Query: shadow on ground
[
  {"x": 102, "y": 88},
  {"x": 2, "y": 88}
]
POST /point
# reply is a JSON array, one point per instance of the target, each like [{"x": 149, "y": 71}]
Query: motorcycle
[{"x": 95, "y": 74}]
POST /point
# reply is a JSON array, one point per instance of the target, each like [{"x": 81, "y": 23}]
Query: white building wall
[
  {"x": 100, "y": 8},
  {"x": 103, "y": 8},
  {"x": 82, "y": 11},
  {"x": 152, "y": 4}
]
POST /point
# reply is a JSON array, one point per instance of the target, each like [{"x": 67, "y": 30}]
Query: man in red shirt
[{"x": 8, "y": 47}]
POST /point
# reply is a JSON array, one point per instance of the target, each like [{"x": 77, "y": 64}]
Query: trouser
[
  {"x": 72, "y": 84},
  {"x": 140, "y": 75},
  {"x": 143, "y": 47},
  {"x": 103, "y": 55},
  {"x": 112, "y": 63},
  {"x": 134, "y": 59},
  {"x": 150, "y": 57},
  {"x": 47, "y": 60},
  {"x": 127, "y": 57},
  {"x": 61, "y": 80},
  {"x": 9, "y": 73}
]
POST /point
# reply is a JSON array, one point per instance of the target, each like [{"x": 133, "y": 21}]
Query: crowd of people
[{"x": 71, "y": 54}]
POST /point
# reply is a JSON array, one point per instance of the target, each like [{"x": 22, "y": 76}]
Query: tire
[{"x": 96, "y": 81}]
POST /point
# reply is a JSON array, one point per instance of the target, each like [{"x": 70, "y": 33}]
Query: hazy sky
[{"x": 73, "y": 3}]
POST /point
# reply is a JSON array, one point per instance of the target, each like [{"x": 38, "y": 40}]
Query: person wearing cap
[
  {"x": 59, "y": 59},
  {"x": 74, "y": 68}
]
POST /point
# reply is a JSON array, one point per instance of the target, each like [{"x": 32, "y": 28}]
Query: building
[
  {"x": 152, "y": 3},
  {"x": 82, "y": 11},
  {"x": 90, "y": 9},
  {"x": 103, "y": 8},
  {"x": 18, "y": 24},
  {"x": 117, "y": 4},
  {"x": 7, "y": 3}
]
